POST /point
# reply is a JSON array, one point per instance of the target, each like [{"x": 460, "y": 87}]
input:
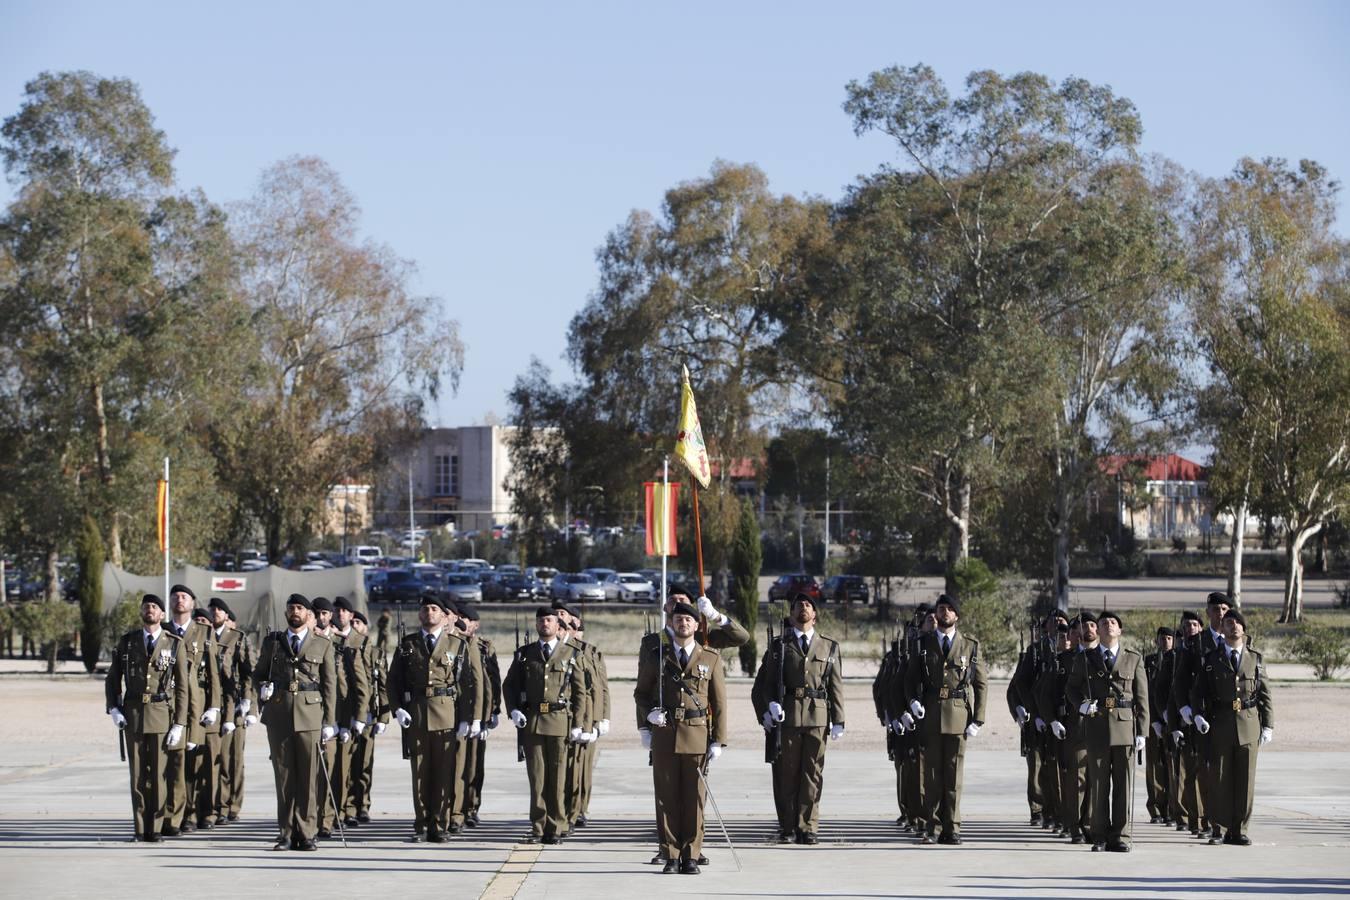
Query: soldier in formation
[
  {"x": 681, "y": 714},
  {"x": 799, "y": 697}
]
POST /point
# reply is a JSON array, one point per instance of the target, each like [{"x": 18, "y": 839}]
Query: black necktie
[
  {"x": 1109, "y": 658},
  {"x": 149, "y": 645},
  {"x": 548, "y": 651},
  {"x": 431, "y": 644},
  {"x": 684, "y": 658},
  {"x": 295, "y": 645},
  {"x": 1233, "y": 658},
  {"x": 805, "y": 645},
  {"x": 946, "y": 645}
]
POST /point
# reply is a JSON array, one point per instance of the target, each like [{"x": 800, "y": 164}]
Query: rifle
[
  {"x": 773, "y": 739},
  {"x": 888, "y": 670},
  {"x": 122, "y": 743},
  {"x": 516, "y": 660},
  {"x": 404, "y": 736}
]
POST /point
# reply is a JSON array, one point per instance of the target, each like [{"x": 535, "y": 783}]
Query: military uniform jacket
[
  {"x": 1237, "y": 705},
  {"x": 354, "y": 686},
  {"x": 1052, "y": 702},
  {"x": 884, "y": 683},
  {"x": 1121, "y": 695},
  {"x": 551, "y": 693},
  {"x": 813, "y": 685},
  {"x": 236, "y": 671},
  {"x": 725, "y": 637},
  {"x": 150, "y": 690},
  {"x": 695, "y": 697},
  {"x": 438, "y": 689},
  {"x": 204, "y": 686},
  {"x": 377, "y": 706},
  {"x": 492, "y": 678},
  {"x": 1189, "y": 659},
  {"x": 954, "y": 690},
  {"x": 304, "y": 696},
  {"x": 597, "y": 680},
  {"x": 1157, "y": 700}
]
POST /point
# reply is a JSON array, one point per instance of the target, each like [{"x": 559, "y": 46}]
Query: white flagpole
[
  {"x": 166, "y": 529},
  {"x": 665, "y": 538}
]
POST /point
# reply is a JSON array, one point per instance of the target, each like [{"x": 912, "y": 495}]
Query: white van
[{"x": 365, "y": 554}]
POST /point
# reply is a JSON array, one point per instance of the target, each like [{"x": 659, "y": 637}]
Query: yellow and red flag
[
  {"x": 162, "y": 515},
  {"x": 661, "y": 503},
  {"x": 689, "y": 446}
]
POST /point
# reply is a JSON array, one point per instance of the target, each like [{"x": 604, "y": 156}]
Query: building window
[{"x": 447, "y": 476}]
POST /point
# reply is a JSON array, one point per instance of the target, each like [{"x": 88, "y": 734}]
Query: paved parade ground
[{"x": 64, "y": 822}]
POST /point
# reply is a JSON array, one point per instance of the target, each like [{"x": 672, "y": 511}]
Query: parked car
[
  {"x": 628, "y": 587},
  {"x": 576, "y": 586},
  {"x": 845, "y": 589},
  {"x": 402, "y": 586},
  {"x": 509, "y": 587},
  {"x": 365, "y": 554},
  {"x": 789, "y": 586},
  {"x": 463, "y": 586},
  {"x": 599, "y": 574}
]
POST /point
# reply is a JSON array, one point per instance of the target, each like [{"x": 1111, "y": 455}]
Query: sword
[
  {"x": 328, "y": 783},
  {"x": 707, "y": 788}
]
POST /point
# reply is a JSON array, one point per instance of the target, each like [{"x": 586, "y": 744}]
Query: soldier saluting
[
  {"x": 147, "y": 699},
  {"x": 947, "y": 674},
  {"x": 799, "y": 689},
  {"x": 296, "y": 676},
  {"x": 681, "y": 699}
]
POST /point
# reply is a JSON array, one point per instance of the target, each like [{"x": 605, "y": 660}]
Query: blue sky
[{"x": 496, "y": 145}]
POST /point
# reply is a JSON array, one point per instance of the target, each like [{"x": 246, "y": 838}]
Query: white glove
[
  {"x": 1087, "y": 708},
  {"x": 590, "y": 737},
  {"x": 344, "y": 735},
  {"x": 1138, "y": 743},
  {"x": 250, "y": 720},
  {"x": 327, "y": 734},
  {"x": 646, "y": 735},
  {"x": 210, "y": 717},
  {"x": 1057, "y": 729},
  {"x": 191, "y": 746},
  {"x": 244, "y": 706},
  {"x": 483, "y": 734},
  {"x": 1177, "y": 737},
  {"x": 836, "y": 732},
  {"x": 1021, "y": 715},
  {"x": 117, "y": 718},
  {"x": 1201, "y": 724},
  {"x": 1186, "y": 714},
  {"x": 896, "y": 725},
  {"x": 602, "y": 728},
  {"x": 907, "y": 721},
  {"x": 776, "y": 711},
  {"x": 917, "y": 708},
  {"x": 518, "y": 718},
  {"x": 358, "y": 726},
  {"x": 494, "y": 722},
  {"x": 227, "y": 728},
  {"x": 404, "y": 718},
  {"x": 1040, "y": 725},
  {"x": 706, "y": 608},
  {"x": 714, "y": 751},
  {"x": 463, "y": 730},
  {"x": 265, "y": 691},
  {"x": 475, "y": 728},
  {"x": 574, "y": 735},
  {"x": 175, "y": 737},
  {"x": 1267, "y": 735},
  {"x": 768, "y": 721},
  {"x": 972, "y": 729},
  {"x": 379, "y": 728},
  {"x": 657, "y": 717},
  {"x": 1157, "y": 730}
]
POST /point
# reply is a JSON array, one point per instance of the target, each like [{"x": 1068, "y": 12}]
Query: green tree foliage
[
  {"x": 1322, "y": 646},
  {"x": 942, "y": 274},
  {"x": 122, "y": 618},
  {"x": 746, "y": 557},
  {"x": 89, "y": 559},
  {"x": 1272, "y": 314},
  {"x": 49, "y": 624},
  {"x": 347, "y": 353}
]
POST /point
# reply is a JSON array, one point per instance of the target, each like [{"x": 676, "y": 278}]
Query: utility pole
[{"x": 825, "y": 562}]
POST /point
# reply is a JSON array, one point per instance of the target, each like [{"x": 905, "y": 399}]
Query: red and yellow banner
[
  {"x": 661, "y": 503},
  {"x": 162, "y": 515}
]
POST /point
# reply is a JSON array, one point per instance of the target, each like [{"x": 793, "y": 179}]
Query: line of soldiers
[
  {"x": 931, "y": 693},
  {"x": 1090, "y": 709}
]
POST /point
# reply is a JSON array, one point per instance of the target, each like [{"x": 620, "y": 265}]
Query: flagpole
[
  {"x": 665, "y": 540},
  {"x": 166, "y": 529}
]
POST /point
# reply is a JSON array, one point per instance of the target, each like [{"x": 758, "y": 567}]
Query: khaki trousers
[
  {"x": 679, "y": 803},
  {"x": 546, "y": 767},
  {"x": 231, "y": 773},
  {"x": 296, "y": 771},
  {"x": 799, "y": 778},
  {"x": 945, "y": 759},
  {"x": 146, "y": 758},
  {"x": 1110, "y": 780},
  {"x": 1235, "y": 782}
]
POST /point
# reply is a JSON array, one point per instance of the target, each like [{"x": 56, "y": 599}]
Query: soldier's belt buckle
[
  {"x": 679, "y": 713},
  {"x": 431, "y": 692},
  {"x": 145, "y": 698},
  {"x": 543, "y": 707},
  {"x": 1109, "y": 703},
  {"x": 1237, "y": 706},
  {"x": 293, "y": 687},
  {"x": 943, "y": 693},
  {"x": 799, "y": 693}
]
